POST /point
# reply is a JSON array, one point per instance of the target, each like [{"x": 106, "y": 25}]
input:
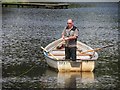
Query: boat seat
[
  {"x": 62, "y": 53},
  {"x": 78, "y": 57}
]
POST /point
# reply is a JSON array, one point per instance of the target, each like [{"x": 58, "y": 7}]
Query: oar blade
[{"x": 108, "y": 46}]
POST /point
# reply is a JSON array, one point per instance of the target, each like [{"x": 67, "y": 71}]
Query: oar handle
[
  {"x": 97, "y": 49},
  {"x": 49, "y": 53},
  {"x": 44, "y": 49}
]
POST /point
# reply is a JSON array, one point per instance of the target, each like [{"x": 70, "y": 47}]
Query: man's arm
[{"x": 71, "y": 37}]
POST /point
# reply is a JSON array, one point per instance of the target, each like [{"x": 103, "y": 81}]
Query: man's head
[{"x": 70, "y": 23}]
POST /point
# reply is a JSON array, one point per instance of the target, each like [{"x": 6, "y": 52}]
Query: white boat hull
[
  {"x": 63, "y": 66},
  {"x": 83, "y": 64}
]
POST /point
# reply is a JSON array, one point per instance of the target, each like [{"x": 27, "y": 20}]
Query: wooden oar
[
  {"x": 96, "y": 49},
  {"x": 49, "y": 53}
]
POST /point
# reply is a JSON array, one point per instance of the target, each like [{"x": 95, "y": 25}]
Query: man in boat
[{"x": 70, "y": 35}]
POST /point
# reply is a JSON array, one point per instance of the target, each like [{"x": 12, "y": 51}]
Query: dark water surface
[{"x": 25, "y": 30}]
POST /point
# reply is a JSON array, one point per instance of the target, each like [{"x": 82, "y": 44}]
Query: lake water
[{"x": 25, "y": 30}]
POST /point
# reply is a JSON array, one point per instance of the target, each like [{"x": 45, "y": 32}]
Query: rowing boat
[{"x": 55, "y": 57}]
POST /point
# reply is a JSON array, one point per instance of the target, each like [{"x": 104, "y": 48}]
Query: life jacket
[{"x": 73, "y": 29}]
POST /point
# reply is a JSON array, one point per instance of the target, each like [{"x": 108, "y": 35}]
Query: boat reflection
[{"x": 71, "y": 79}]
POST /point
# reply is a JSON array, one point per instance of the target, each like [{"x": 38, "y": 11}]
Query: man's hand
[
  {"x": 66, "y": 38},
  {"x": 63, "y": 38},
  {"x": 69, "y": 38}
]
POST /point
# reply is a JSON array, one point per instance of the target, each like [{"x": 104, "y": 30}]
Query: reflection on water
[{"x": 71, "y": 79}]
